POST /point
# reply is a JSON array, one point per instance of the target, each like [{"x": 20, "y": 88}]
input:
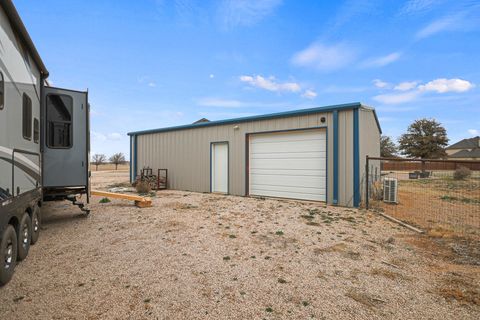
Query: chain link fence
[{"x": 441, "y": 197}]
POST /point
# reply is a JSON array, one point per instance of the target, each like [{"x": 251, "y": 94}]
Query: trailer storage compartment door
[
  {"x": 65, "y": 139},
  {"x": 289, "y": 164}
]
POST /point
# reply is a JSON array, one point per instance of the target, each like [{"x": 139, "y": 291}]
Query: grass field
[{"x": 439, "y": 204}]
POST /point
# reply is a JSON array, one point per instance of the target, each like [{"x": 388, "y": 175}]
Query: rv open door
[{"x": 65, "y": 143}]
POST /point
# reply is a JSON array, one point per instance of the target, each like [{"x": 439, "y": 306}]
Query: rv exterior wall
[
  {"x": 21, "y": 76},
  {"x": 186, "y": 153}
]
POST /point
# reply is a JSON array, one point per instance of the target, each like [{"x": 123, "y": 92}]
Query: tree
[
  {"x": 388, "y": 149},
  {"x": 425, "y": 139},
  {"x": 98, "y": 159},
  {"x": 117, "y": 158}
]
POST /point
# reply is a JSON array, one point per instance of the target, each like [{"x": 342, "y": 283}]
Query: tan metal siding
[
  {"x": 369, "y": 143},
  {"x": 186, "y": 153}
]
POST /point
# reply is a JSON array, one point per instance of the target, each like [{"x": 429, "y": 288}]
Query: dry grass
[{"x": 110, "y": 167}]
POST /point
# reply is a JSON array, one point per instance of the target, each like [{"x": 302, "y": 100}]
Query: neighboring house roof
[
  {"x": 471, "y": 143},
  {"x": 347, "y": 106},
  {"x": 474, "y": 153},
  {"x": 202, "y": 120},
  {"x": 19, "y": 28}
]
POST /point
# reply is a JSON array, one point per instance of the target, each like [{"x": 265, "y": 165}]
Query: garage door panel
[
  {"x": 291, "y": 146},
  {"x": 299, "y": 172},
  {"x": 289, "y": 155},
  {"x": 308, "y": 164},
  {"x": 291, "y": 195},
  {"x": 288, "y": 180},
  {"x": 289, "y": 164},
  {"x": 288, "y": 136}
]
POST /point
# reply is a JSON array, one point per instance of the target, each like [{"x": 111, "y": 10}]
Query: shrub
[
  {"x": 143, "y": 187},
  {"x": 461, "y": 173},
  {"x": 104, "y": 200}
]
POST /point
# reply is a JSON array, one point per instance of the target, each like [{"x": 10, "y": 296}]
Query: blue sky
[{"x": 150, "y": 64}]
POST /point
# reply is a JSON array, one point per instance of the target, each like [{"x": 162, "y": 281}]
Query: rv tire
[
  {"x": 36, "y": 221},
  {"x": 8, "y": 254},
  {"x": 24, "y": 237}
]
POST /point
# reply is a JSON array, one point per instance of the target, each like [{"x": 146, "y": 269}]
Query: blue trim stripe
[
  {"x": 356, "y": 159},
  {"x": 131, "y": 163},
  {"x": 335, "y": 157},
  {"x": 135, "y": 158},
  {"x": 347, "y": 106}
]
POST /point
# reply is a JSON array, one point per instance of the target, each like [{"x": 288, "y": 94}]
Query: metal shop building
[{"x": 311, "y": 154}]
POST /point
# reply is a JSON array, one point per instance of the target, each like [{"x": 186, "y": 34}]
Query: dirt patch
[{"x": 208, "y": 256}]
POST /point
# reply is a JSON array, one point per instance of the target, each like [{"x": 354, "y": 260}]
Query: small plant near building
[
  {"x": 142, "y": 187},
  {"x": 104, "y": 200},
  {"x": 462, "y": 173}
]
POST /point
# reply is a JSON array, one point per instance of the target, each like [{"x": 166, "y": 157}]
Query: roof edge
[
  {"x": 19, "y": 27},
  {"x": 346, "y": 106}
]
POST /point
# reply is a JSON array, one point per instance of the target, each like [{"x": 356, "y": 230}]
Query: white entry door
[
  {"x": 290, "y": 164},
  {"x": 219, "y": 168}
]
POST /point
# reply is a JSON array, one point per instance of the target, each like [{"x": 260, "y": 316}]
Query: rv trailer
[{"x": 44, "y": 142}]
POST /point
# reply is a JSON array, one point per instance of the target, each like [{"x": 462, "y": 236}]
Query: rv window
[
  {"x": 36, "y": 130},
  {"x": 59, "y": 121},
  {"x": 27, "y": 117},
  {"x": 2, "y": 90}
]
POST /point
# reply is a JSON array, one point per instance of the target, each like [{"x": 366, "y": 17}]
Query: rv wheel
[
  {"x": 8, "y": 254},
  {"x": 35, "y": 224},
  {"x": 24, "y": 236}
]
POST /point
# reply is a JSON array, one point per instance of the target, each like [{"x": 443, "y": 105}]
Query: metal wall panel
[{"x": 186, "y": 153}]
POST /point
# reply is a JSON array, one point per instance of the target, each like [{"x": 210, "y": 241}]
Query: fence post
[{"x": 366, "y": 183}]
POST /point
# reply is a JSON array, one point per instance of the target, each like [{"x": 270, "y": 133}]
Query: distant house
[{"x": 466, "y": 149}]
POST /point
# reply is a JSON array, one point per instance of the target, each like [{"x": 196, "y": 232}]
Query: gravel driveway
[{"x": 206, "y": 256}]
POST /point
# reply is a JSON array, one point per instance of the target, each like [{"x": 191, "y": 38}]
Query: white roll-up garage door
[{"x": 289, "y": 164}]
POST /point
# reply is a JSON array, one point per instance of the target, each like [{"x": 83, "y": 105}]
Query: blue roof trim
[
  {"x": 356, "y": 159},
  {"x": 300, "y": 112},
  {"x": 335, "y": 157}
]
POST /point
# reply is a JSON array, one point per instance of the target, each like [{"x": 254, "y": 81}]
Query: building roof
[
  {"x": 471, "y": 143},
  {"x": 474, "y": 153},
  {"x": 19, "y": 28},
  {"x": 347, "y": 106}
]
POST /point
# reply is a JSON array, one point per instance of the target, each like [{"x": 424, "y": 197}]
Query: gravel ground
[{"x": 206, "y": 256}]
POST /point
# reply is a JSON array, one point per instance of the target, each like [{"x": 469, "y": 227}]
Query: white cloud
[
  {"x": 380, "y": 84},
  {"x": 416, "y": 6},
  {"x": 152, "y": 84},
  {"x": 447, "y": 85},
  {"x": 211, "y": 76},
  {"x": 395, "y": 98},
  {"x": 474, "y": 132},
  {"x": 114, "y": 136},
  {"x": 413, "y": 91},
  {"x": 97, "y": 136},
  {"x": 443, "y": 24},
  {"x": 309, "y": 94},
  {"x": 234, "y": 13},
  {"x": 381, "y": 61},
  {"x": 270, "y": 84},
  {"x": 218, "y": 102},
  {"x": 324, "y": 57},
  {"x": 405, "y": 86}
]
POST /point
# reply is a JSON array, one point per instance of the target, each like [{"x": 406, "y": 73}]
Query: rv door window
[
  {"x": 59, "y": 121},
  {"x": 2, "y": 91},
  {"x": 27, "y": 117},
  {"x": 36, "y": 130}
]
